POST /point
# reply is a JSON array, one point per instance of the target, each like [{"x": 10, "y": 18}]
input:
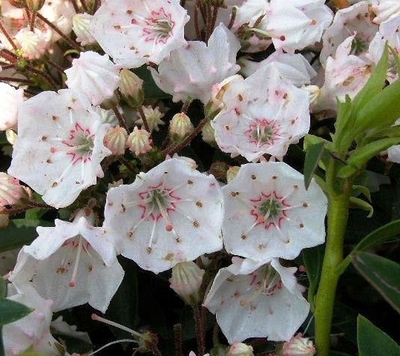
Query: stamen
[
  {"x": 72, "y": 282},
  {"x": 117, "y": 325}
]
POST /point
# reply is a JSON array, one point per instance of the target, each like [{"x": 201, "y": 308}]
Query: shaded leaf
[
  {"x": 372, "y": 341},
  {"x": 11, "y": 311},
  {"x": 313, "y": 155},
  {"x": 13, "y": 237},
  {"x": 382, "y": 273}
]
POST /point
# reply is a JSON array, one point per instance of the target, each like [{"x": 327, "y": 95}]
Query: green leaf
[
  {"x": 3, "y": 288},
  {"x": 2, "y": 353},
  {"x": 360, "y": 157},
  {"x": 372, "y": 341},
  {"x": 312, "y": 259},
  {"x": 361, "y": 204},
  {"x": 11, "y": 311},
  {"x": 13, "y": 237},
  {"x": 381, "y": 111},
  {"x": 374, "y": 84},
  {"x": 150, "y": 88},
  {"x": 343, "y": 136},
  {"x": 382, "y": 273},
  {"x": 313, "y": 156},
  {"x": 387, "y": 232}
]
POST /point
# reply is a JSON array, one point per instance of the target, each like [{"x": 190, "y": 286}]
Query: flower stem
[{"x": 338, "y": 212}]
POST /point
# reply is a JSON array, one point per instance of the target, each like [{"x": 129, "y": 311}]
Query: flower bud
[
  {"x": 34, "y": 5},
  {"x": 180, "y": 127},
  {"x": 11, "y": 192},
  {"x": 115, "y": 140},
  {"x": 139, "y": 141},
  {"x": 207, "y": 134},
  {"x": 131, "y": 88},
  {"x": 186, "y": 281},
  {"x": 81, "y": 28},
  {"x": 240, "y": 349},
  {"x": 231, "y": 173},
  {"x": 297, "y": 346}
]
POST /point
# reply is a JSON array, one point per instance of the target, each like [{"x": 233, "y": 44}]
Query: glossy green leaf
[
  {"x": 390, "y": 231},
  {"x": 382, "y": 110},
  {"x": 343, "y": 136},
  {"x": 14, "y": 237},
  {"x": 374, "y": 84},
  {"x": 360, "y": 157},
  {"x": 313, "y": 155},
  {"x": 382, "y": 273},
  {"x": 372, "y": 341},
  {"x": 11, "y": 311},
  {"x": 312, "y": 259}
]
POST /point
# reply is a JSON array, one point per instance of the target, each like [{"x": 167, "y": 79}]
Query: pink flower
[
  {"x": 255, "y": 300},
  {"x": 168, "y": 215},
  {"x": 59, "y": 146},
  {"x": 10, "y": 190},
  {"x": 270, "y": 214},
  {"x": 140, "y": 31}
]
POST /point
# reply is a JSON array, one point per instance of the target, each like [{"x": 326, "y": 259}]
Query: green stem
[{"x": 338, "y": 211}]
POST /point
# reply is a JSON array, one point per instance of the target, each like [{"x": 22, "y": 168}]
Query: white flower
[
  {"x": 140, "y": 31},
  {"x": 298, "y": 346},
  {"x": 345, "y": 74},
  {"x": 33, "y": 43},
  {"x": 386, "y": 10},
  {"x": 269, "y": 213},
  {"x": 254, "y": 300},
  {"x": 11, "y": 98},
  {"x": 263, "y": 114},
  {"x": 33, "y": 330},
  {"x": 59, "y": 146},
  {"x": 72, "y": 263},
  {"x": 353, "y": 20},
  {"x": 94, "y": 76},
  {"x": 192, "y": 70},
  {"x": 168, "y": 215}
]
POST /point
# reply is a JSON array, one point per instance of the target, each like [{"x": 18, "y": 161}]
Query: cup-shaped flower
[
  {"x": 192, "y": 70},
  {"x": 72, "y": 263},
  {"x": 262, "y": 114},
  {"x": 172, "y": 213},
  {"x": 93, "y": 75},
  {"x": 138, "y": 32},
  {"x": 256, "y": 300},
  {"x": 269, "y": 213},
  {"x": 59, "y": 146}
]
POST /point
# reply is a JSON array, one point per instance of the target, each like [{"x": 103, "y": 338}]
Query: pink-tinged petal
[
  {"x": 168, "y": 215},
  {"x": 269, "y": 213}
]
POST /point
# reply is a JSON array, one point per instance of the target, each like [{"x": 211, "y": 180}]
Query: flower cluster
[{"x": 103, "y": 106}]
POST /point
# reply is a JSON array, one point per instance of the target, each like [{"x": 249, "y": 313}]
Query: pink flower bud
[
  {"x": 115, "y": 140},
  {"x": 131, "y": 88},
  {"x": 186, "y": 281},
  {"x": 240, "y": 349},
  {"x": 139, "y": 141},
  {"x": 298, "y": 346},
  {"x": 180, "y": 127}
]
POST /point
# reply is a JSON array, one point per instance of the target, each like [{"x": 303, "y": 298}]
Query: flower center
[
  {"x": 81, "y": 144},
  {"x": 358, "y": 45},
  {"x": 158, "y": 27},
  {"x": 269, "y": 210},
  {"x": 262, "y": 132}
]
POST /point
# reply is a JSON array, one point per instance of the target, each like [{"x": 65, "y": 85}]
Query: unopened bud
[
  {"x": 34, "y": 5},
  {"x": 139, "y": 141},
  {"x": 131, "y": 88},
  {"x": 240, "y": 349},
  {"x": 297, "y": 346},
  {"x": 115, "y": 140},
  {"x": 11, "y": 192},
  {"x": 81, "y": 28},
  {"x": 232, "y": 173},
  {"x": 186, "y": 281},
  {"x": 180, "y": 127},
  {"x": 208, "y": 135}
]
